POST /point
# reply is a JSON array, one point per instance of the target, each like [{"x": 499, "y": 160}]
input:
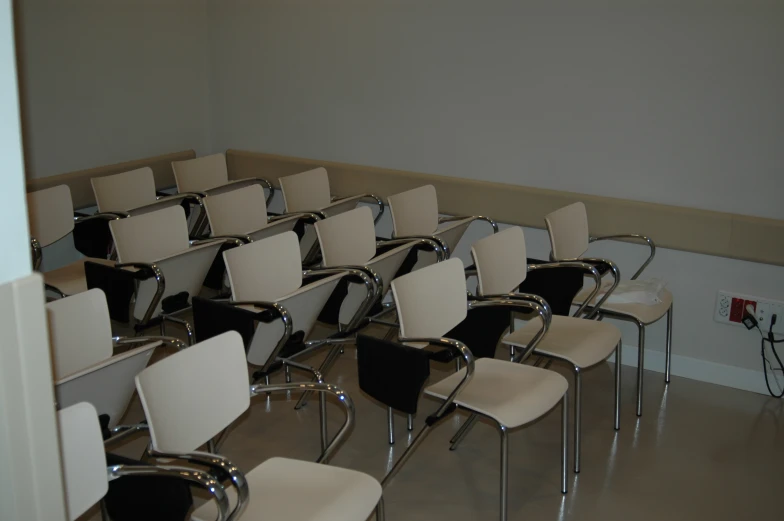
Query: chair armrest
[
  {"x": 341, "y": 395},
  {"x": 468, "y": 357},
  {"x": 150, "y": 271},
  {"x": 307, "y": 217},
  {"x": 223, "y": 466},
  {"x": 366, "y": 275},
  {"x": 120, "y": 432},
  {"x": 247, "y": 182},
  {"x": 445, "y": 251},
  {"x": 200, "y": 478},
  {"x": 432, "y": 243},
  {"x": 616, "y": 273},
  {"x": 375, "y": 198},
  {"x": 105, "y": 216},
  {"x": 489, "y": 220},
  {"x": 588, "y": 268},
  {"x": 632, "y": 237},
  {"x": 165, "y": 340},
  {"x": 524, "y": 301}
]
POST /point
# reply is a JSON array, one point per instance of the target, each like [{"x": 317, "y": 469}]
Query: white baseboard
[{"x": 702, "y": 370}]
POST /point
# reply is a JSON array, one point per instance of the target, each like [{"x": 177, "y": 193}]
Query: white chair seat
[
  {"x": 283, "y": 489},
  {"x": 70, "y": 279},
  {"x": 512, "y": 394},
  {"x": 578, "y": 341},
  {"x": 645, "y": 313}
]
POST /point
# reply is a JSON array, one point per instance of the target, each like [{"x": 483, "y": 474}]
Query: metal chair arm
[
  {"x": 468, "y": 357},
  {"x": 368, "y": 277},
  {"x": 106, "y": 216},
  {"x": 632, "y": 236},
  {"x": 153, "y": 271},
  {"x": 222, "y": 465},
  {"x": 525, "y": 301},
  {"x": 166, "y": 340},
  {"x": 37, "y": 253},
  {"x": 489, "y": 220},
  {"x": 375, "y": 198},
  {"x": 431, "y": 242},
  {"x": 341, "y": 395},
  {"x": 283, "y": 315},
  {"x": 202, "y": 479}
]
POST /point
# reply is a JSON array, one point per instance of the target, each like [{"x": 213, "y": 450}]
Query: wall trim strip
[{"x": 706, "y": 232}]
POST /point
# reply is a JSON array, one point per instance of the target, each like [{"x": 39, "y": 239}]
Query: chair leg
[
  {"x": 390, "y": 425},
  {"x": 325, "y": 365},
  {"x": 504, "y": 470},
  {"x": 668, "y": 351},
  {"x": 618, "y": 386},
  {"x": 511, "y": 353},
  {"x": 323, "y": 420},
  {"x": 380, "y": 516},
  {"x": 640, "y": 363},
  {"x": 457, "y": 364},
  {"x": 410, "y": 422},
  {"x": 462, "y": 432},
  {"x": 564, "y": 441},
  {"x": 578, "y": 399},
  {"x": 287, "y": 370}
]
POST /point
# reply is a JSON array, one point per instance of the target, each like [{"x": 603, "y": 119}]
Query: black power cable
[{"x": 765, "y": 362}]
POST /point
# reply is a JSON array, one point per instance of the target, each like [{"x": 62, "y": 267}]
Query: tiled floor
[{"x": 700, "y": 451}]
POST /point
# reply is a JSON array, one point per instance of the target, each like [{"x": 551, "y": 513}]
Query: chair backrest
[
  {"x": 151, "y": 236},
  {"x": 500, "y": 261},
  {"x": 432, "y": 300},
  {"x": 347, "y": 239},
  {"x": 200, "y": 174},
  {"x": 191, "y": 396},
  {"x": 237, "y": 212},
  {"x": 414, "y": 212},
  {"x": 51, "y": 214},
  {"x": 265, "y": 270},
  {"x": 568, "y": 229},
  {"x": 83, "y": 458},
  {"x": 124, "y": 191},
  {"x": 80, "y": 332},
  {"x": 306, "y": 191}
]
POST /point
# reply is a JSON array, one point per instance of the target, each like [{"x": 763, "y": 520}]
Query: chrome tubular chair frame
[
  {"x": 489, "y": 220},
  {"x": 199, "y": 478},
  {"x": 632, "y": 236},
  {"x": 37, "y": 254},
  {"x": 376, "y": 199}
]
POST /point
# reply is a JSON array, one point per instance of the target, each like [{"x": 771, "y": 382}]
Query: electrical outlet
[{"x": 731, "y": 309}]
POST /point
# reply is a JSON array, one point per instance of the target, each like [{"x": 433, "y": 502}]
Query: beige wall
[{"x": 107, "y": 81}]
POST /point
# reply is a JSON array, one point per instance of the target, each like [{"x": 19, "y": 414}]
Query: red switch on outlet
[{"x": 736, "y": 310}]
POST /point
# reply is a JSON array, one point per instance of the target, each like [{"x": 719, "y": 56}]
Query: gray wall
[
  {"x": 107, "y": 81},
  {"x": 676, "y": 102}
]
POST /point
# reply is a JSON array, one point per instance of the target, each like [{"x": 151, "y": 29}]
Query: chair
[
  {"x": 279, "y": 488},
  {"x": 569, "y": 240},
  {"x": 432, "y": 301},
  {"x": 209, "y": 175},
  {"x": 134, "y": 193},
  {"x": 51, "y": 216},
  {"x": 85, "y": 366},
  {"x": 86, "y": 475},
  {"x": 275, "y": 306},
  {"x": 501, "y": 269},
  {"x": 159, "y": 269},
  {"x": 309, "y": 191},
  {"x": 415, "y": 214},
  {"x": 349, "y": 240},
  {"x": 242, "y": 213}
]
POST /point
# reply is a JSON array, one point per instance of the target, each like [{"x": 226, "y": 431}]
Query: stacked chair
[
  {"x": 569, "y": 239},
  {"x": 209, "y": 175}
]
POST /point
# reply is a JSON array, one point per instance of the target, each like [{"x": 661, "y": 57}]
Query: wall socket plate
[{"x": 731, "y": 308}]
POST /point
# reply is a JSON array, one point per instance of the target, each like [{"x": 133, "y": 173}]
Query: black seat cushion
[
  {"x": 392, "y": 373},
  {"x": 558, "y": 286},
  {"x": 482, "y": 329}
]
